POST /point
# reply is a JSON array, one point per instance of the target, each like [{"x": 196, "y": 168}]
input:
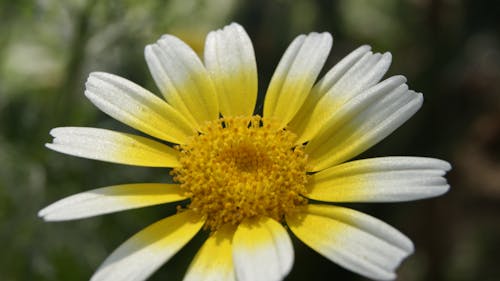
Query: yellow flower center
[{"x": 242, "y": 167}]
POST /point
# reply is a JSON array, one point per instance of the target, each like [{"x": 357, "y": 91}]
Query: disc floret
[{"x": 242, "y": 167}]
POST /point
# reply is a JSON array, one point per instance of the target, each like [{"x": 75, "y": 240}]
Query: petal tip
[
  {"x": 42, "y": 213},
  {"x": 446, "y": 165},
  {"x": 98, "y": 75},
  {"x": 47, "y": 216},
  {"x": 234, "y": 25},
  {"x": 409, "y": 247},
  {"x": 53, "y": 132},
  {"x": 50, "y": 146},
  {"x": 148, "y": 53},
  {"x": 442, "y": 189},
  {"x": 400, "y": 78},
  {"x": 365, "y": 48}
]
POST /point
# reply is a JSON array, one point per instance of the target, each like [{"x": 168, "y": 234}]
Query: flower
[{"x": 247, "y": 176}]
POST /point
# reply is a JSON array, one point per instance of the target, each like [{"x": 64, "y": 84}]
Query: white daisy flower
[{"x": 247, "y": 176}]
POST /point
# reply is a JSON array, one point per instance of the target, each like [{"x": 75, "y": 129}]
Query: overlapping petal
[
  {"x": 362, "y": 122},
  {"x": 385, "y": 179},
  {"x": 111, "y": 199},
  {"x": 262, "y": 250},
  {"x": 137, "y": 107},
  {"x": 111, "y": 146},
  {"x": 354, "y": 240},
  {"x": 337, "y": 88},
  {"x": 295, "y": 75},
  {"x": 146, "y": 251},
  {"x": 182, "y": 79},
  {"x": 214, "y": 261},
  {"x": 313, "y": 113},
  {"x": 230, "y": 60}
]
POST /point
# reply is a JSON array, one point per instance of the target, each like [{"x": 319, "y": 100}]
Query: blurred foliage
[{"x": 448, "y": 49}]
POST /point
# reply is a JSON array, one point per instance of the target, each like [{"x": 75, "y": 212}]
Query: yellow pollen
[{"x": 242, "y": 167}]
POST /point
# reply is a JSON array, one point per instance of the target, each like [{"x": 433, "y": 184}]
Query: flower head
[{"x": 247, "y": 176}]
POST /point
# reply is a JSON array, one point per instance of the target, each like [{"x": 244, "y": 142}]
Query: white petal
[
  {"x": 295, "y": 75},
  {"x": 365, "y": 73},
  {"x": 354, "y": 240},
  {"x": 111, "y": 199},
  {"x": 182, "y": 79},
  {"x": 137, "y": 107},
  {"x": 111, "y": 146},
  {"x": 214, "y": 261},
  {"x": 341, "y": 70},
  {"x": 230, "y": 60},
  {"x": 355, "y": 73},
  {"x": 142, "y": 254},
  {"x": 385, "y": 179},
  {"x": 262, "y": 250},
  {"x": 301, "y": 123},
  {"x": 363, "y": 122}
]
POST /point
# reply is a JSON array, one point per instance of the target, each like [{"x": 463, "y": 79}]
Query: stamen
[{"x": 242, "y": 167}]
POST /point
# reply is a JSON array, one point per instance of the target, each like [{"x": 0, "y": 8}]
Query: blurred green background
[{"x": 448, "y": 49}]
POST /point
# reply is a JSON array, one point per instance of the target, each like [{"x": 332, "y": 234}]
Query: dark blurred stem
[{"x": 64, "y": 104}]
